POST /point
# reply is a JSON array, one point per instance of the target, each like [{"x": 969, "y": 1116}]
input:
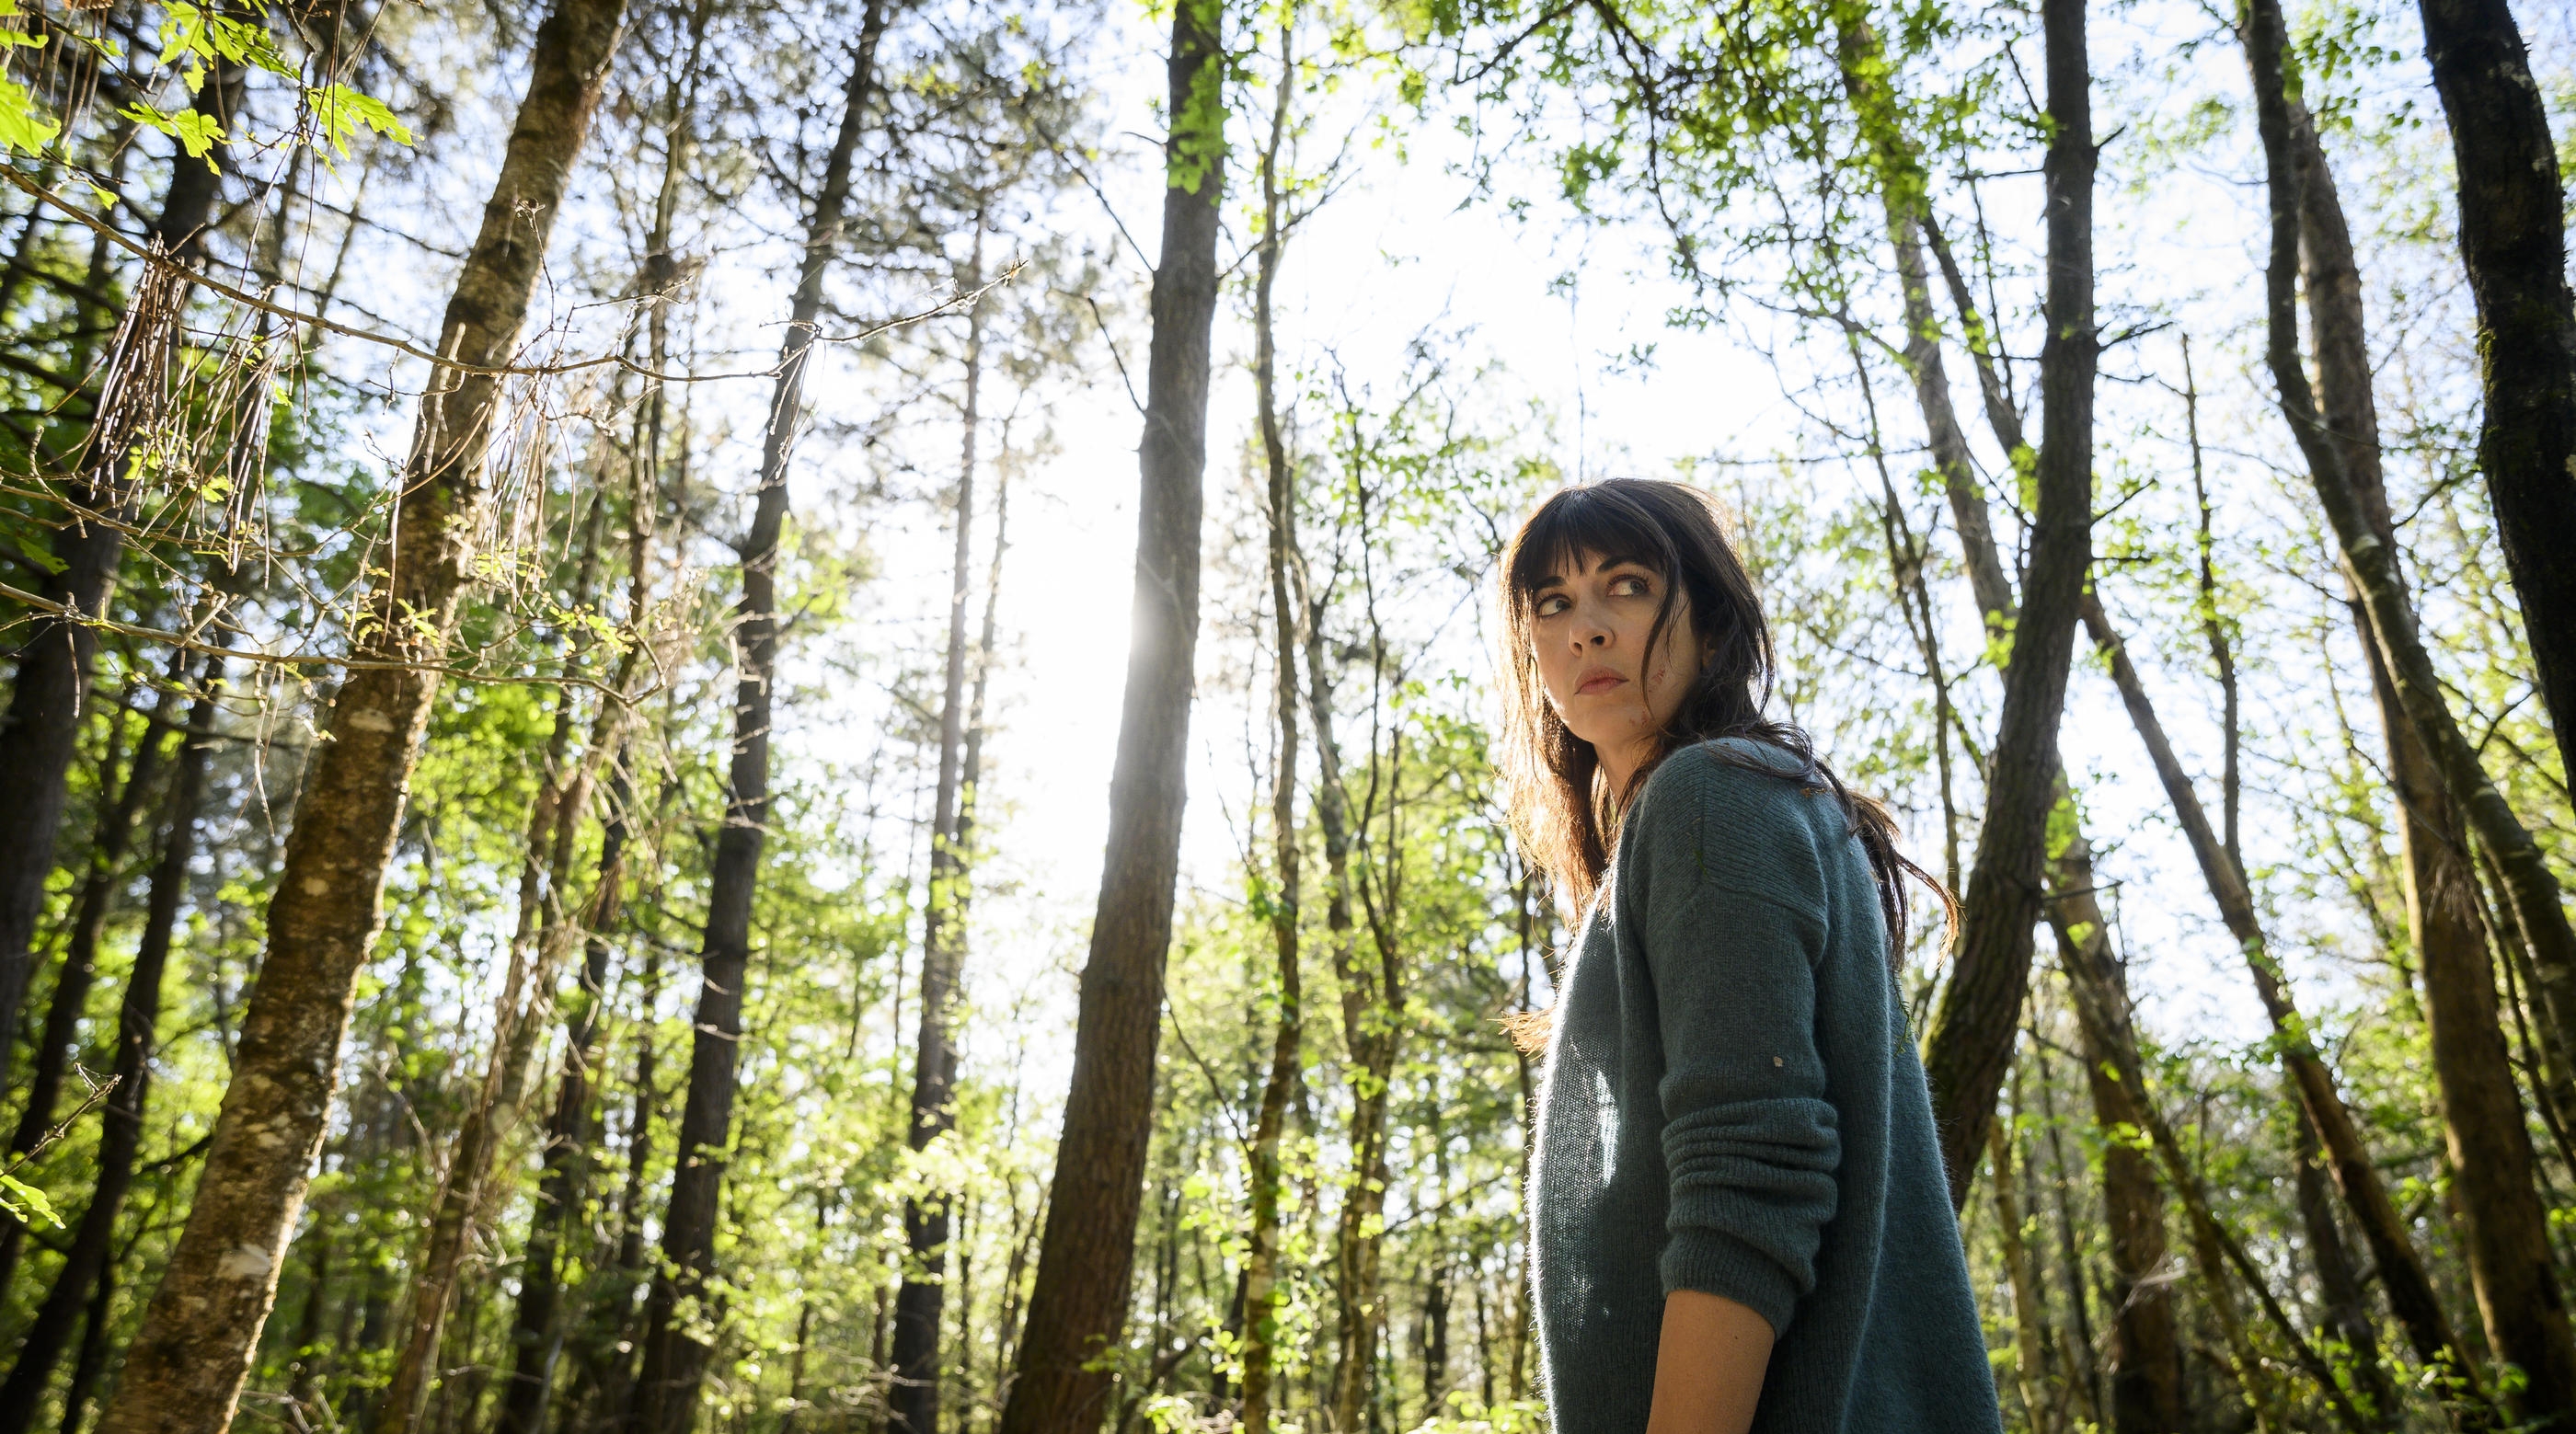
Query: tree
[
  {"x": 186, "y": 1365},
  {"x": 2513, "y": 241},
  {"x": 1079, "y": 1304},
  {"x": 915, "y": 1398},
  {"x": 2410, "y": 1290},
  {"x": 80, "y": 951},
  {"x": 42, "y": 724},
  {"x": 1260, "y": 1318},
  {"x": 2145, "y": 1357},
  {"x": 674, "y": 1357},
  {"x": 2508, "y": 1244},
  {"x": 85, "y": 1268},
  {"x": 1970, "y": 1042},
  {"x": 537, "y": 1332}
]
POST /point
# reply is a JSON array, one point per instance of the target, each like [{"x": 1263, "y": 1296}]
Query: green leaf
[
  {"x": 23, "y": 127},
  {"x": 340, "y": 111},
  {"x": 26, "y": 1203},
  {"x": 198, "y": 38},
  {"x": 196, "y": 131}
]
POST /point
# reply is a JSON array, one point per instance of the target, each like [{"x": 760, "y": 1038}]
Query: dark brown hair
[{"x": 1561, "y": 809}]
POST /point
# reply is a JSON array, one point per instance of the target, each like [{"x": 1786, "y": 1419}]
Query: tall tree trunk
[
  {"x": 604, "y": 1373},
  {"x": 41, "y": 728},
  {"x": 2102, "y": 1011},
  {"x": 572, "y": 1131},
  {"x": 913, "y": 1403},
  {"x": 1971, "y": 1040},
  {"x": 1260, "y": 1318},
  {"x": 971, "y": 777},
  {"x": 70, "y": 1001},
  {"x": 2506, "y": 1234},
  {"x": 1359, "y": 1237},
  {"x": 537, "y": 950},
  {"x": 2145, "y": 1355},
  {"x": 2411, "y": 1294},
  {"x": 2030, "y": 1357},
  {"x": 1372, "y": 1007},
  {"x": 1863, "y": 63},
  {"x": 1079, "y": 1304},
  {"x": 2145, "y": 1373},
  {"x": 2339, "y": 1287},
  {"x": 91, "y": 1362},
  {"x": 90, "y": 910},
  {"x": 674, "y": 1362},
  {"x": 536, "y": 1334},
  {"x": 2513, "y": 240},
  {"x": 85, "y": 1263},
  {"x": 2086, "y": 1369},
  {"x": 2146, "y": 1377},
  {"x": 2470, "y": 1058},
  {"x": 187, "y": 1363}
]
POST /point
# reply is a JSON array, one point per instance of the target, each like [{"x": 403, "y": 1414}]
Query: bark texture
[
  {"x": 85, "y": 1268},
  {"x": 2411, "y": 1293},
  {"x": 2513, "y": 239},
  {"x": 2145, "y": 1354},
  {"x": 674, "y": 1363},
  {"x": 2506, "y": 1224},
  {"x": 50, "y": 690},
  {"x": 913, "y": 1403},
  {"x": 1078, "y": 1306},
  {"x": 1260, "y": 1319},
  {"x": 185, "y": 1368},
  {"x": 1971, "y": 1039}
]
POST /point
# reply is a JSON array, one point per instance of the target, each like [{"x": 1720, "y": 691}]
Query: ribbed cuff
[{"x": 1716, "y": 1263}]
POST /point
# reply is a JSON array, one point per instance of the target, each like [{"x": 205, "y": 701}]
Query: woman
[{"x": 1739, "y": 1216}]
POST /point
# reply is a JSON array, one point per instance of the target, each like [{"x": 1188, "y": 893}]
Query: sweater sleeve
[{"x": 1728, "y": 889}]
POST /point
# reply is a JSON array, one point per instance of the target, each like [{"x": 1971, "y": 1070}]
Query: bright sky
[
  {"x": 1389, "y": 257},
  {"x": 1385, "y": 260}
]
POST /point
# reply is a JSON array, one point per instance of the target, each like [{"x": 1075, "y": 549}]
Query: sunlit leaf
[
  {"x": 25, "y": 1203},
  {"x": 23, "y": 127},
  {"x": 340, "y": 112}
]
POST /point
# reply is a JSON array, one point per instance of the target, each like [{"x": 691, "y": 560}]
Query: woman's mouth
[{"x": 1599, "y": 682}]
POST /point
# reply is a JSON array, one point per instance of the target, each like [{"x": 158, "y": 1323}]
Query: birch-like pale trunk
[{"x": 185, "y": 1367}]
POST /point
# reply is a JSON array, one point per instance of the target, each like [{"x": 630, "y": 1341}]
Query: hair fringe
[{"x": 1559, "y": 808}]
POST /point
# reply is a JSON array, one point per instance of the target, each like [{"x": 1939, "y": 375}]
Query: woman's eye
[
  {"x": 1550, "y": 606},
  {"x": 1630, "y": 585}
]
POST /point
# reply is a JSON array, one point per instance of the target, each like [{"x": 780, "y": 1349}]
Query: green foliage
[
  {"x": 25, "y": 1203},
  {"x": 1764, "y": 147},
  {"x": 340, "y": 112}
]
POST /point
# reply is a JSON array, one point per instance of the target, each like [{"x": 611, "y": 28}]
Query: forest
[{"x": 694, "y": 742}]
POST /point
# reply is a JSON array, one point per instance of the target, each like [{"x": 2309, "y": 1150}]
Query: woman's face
[{"x": 1588, "y": 625}]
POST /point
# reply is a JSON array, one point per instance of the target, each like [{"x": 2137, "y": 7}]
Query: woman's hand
[{"x": 1709, "y": 1367}]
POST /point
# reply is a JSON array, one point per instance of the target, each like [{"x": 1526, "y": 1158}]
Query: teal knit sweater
[{"x": 1732, "y": 1105}]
